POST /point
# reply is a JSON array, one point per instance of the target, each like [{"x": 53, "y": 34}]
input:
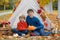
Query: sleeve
[
  {"x": 27, "y": 21},
  {"x": 40, "y": 25},
  {"x": 26, "y": 25}
]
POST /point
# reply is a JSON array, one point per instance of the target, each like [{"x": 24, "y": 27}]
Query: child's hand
[{"x": 31, "y": 28}]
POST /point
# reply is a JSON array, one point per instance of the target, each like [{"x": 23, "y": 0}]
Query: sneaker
[{"x": 15, "y": 35}]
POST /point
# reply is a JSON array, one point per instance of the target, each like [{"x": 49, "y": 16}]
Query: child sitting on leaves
[
  {"x": 35, "y": 24},
  {"x": 21, "y": 27}
]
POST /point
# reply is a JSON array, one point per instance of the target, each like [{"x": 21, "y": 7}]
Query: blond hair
[{"x": 22, "y": 16}]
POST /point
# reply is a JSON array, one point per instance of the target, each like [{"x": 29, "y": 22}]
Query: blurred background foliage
[{"x": 10, "y": 4}]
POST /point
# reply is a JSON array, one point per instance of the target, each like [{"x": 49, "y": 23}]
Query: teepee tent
[{"x": 22, "y": 9}]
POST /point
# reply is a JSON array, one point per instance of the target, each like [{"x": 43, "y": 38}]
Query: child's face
[
  {"x": 31, "y": 14},
  {"x": 21, "y": 19}
]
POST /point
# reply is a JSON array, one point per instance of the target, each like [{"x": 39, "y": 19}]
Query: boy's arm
[
  {"x": 27, "y": 21},
  {"x": 40, "y": 25}
]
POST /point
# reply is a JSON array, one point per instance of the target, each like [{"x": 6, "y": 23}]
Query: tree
[
  {"x": 55, "y": 4},
  {"x": 42, "y": 3}
]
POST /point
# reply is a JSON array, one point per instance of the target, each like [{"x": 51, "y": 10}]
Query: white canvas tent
[{"x": 22, "y": 9}]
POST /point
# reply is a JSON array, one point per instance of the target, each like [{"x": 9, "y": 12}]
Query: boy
[
  {"x": 38, "y": 28},
  {"x": 21, "y": 26}
]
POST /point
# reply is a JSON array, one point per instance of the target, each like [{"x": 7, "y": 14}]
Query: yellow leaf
[{"x": 42, "y": 3}]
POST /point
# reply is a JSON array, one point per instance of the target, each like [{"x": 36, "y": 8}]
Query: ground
[{"x": 32, "y": 38}]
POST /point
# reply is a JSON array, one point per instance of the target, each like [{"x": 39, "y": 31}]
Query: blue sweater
[{"x": 34, "y": 22}]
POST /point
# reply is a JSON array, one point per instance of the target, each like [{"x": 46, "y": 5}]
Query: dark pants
[
  {"x": 43, "y": 33},
  {"x": 19, "y": 32},
  {"x": 37, "y": 32},
  {"x": 40, "y": 32}
]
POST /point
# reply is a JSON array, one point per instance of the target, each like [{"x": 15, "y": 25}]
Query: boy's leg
[
  {"x": 14, "y": 30},
  {"x": 47, "y": 33},
  {"x": 35, "y": 33},
  {"x": 25, "y": 32},
  {"x": 43, "y": 33}
]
